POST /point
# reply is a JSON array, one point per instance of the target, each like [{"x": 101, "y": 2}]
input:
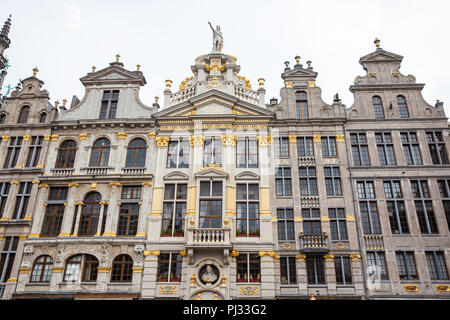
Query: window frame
[
  {"x": 247, "y": 154},
  {"x": 110, "y": 111},
  {"x": 126, "y": 264},
  {"x": 216, "y": 151},
  {"x": 248, "y": 202},
  {"x": 65, "y": 158},
  {"x": 34, "y": 151},
  {"x": 102, "y": 149},
  {"x": 176, "y": 202},
  {"x": 287, "y": 221},
  {"x": 301, "y": 104},
  {"x": 245, "y": 260},
  {"x": 287, "y": 191},
  {"x": 411, "y": 148},
  {"x": 211, "y": 199}
]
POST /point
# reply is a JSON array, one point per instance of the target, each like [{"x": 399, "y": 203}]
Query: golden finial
[
  {"x": 117, "y": 57},
  {"x": 437, "y": 100},
  {"x": 377, "y": 42},
  {"x": 64, "y": 101},
  {"x": 261, "y": 82},
  {"x": 297, "y": 59},
  {"x": 156, "y": 99},
  {"x": 56, "y": 103},
  {"x": 35, "y": 71},
  {"x": 168, "y": 83},
  {"x": 138, "y": 67},
  {"x": 93, "y": 68}
]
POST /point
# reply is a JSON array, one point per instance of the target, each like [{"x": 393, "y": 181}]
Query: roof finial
[
  {"x": 156, "y": 99},
  {"x": 377, "y": 42},
  {"x": 297, "y": 59},
  {"x": 64, "y": 101},
  {"x": 117, "y": 57},
  {"x": 93, "y": 68},
  {"x": 138, "y": 67},
  {"x": 35, "y": 71},
  {"x": 56, "y": 103}
]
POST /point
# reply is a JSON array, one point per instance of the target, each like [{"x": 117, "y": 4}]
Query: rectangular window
[
  {"x": 247, "y": 210},
  {"x": 174, "y": 210},
  {"x": 395, "y": 207},
  {"x": 436, "y": 145},
  {"x": 282, "y": 147},
  {"x": 283, "y": 181},
  {"x": 22, "y": 197},
  {"x": 285, "y": 220},
  {"x": 333, "y": 181},
  {"x": 343, "y": 270},
  {"x": 376, "y": 265},
  {"x": 308, "y": 181},
  {"x": 108, "y": 108},
  {"x": 406, "y": 265},
  {"x": 437, "y": 268},
  {"x": 315, "y": 269},
  {"x": 385, "y": 149},
  {"x": 248, "y": 268},
  {"x": 329, "y": 146},
  {"x": 212, "y": 151},
  {"x": 444, "y": 190},
  {"x": 288, "y": 270},
  {"x": 169, "y": 267},
  {"x": 369, "y": 217},
  {"x": 424, "y": 207},
  {"x": 211, "y": 197},
  {"x": 34, "y": 151},
  {"x": 311, "y": 221},
  {"x": 365, "y": 190},
  {"x": 360, "y": 149},
  {"x": 129, "y": 211},
  {"x": 4, "y": 192},
  {"x": 338, "y": 224},
  {"x": 247, "y": 153},
  {"x": 178, "y": 153},
  {"x": 411, "y": 149},
  {"x": 7, "y": 256},
  {"x": 54, "y": 212},
  {"x": 13, "y": 152},
  {"x": 305, "y": 146}
]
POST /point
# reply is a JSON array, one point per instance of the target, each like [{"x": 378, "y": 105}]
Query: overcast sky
[{"x": 64, "y": 39}]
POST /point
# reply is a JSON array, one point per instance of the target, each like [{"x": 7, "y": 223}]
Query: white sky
[{"x": 165, "y": 37}]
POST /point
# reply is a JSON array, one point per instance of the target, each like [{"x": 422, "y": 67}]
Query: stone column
[
  {"x": 330, "y": 273},
  {"x": 150, "y": 273},
  {"x": 82, "y": 157},
  {"x": 32, "y": 201},
  {"x": 79, "y": 205},
  {"x": 302, "y": 277},
  {"x": 113, "y": 210},
  {"x": 120, "y": 156},
  {"x": 69, "y": 212},
  {"x": 229, "y": 147},
  {"x": 144, "y": 209},
  {"x": 40, "y": 211},
  {"x": 4, "y": 147},
  {"x": 100, "y": 219},
  {"x": 13, "y": 278},
  {"x": 268, "y": 274},
  {"x": 424, "y": 149},
  {"x": 265, "y": 211},
  {"x": 23, "y": 152},
  {"x": 357, "y": 276}
]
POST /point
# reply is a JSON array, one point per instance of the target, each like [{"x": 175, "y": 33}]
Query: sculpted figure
[{"x": 217, "y": 38}]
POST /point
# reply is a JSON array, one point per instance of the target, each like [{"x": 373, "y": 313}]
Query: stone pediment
[
  {"x": 212, "y": 171},
  {"x": 381, "y": 55},
  {"x": 176, "y": 176},
  {"x": 214, "y": 103},
  {"x": 247, "y": 175},
  {"x": 299, "y": 73},
  {"x": 114, "y": 75}
]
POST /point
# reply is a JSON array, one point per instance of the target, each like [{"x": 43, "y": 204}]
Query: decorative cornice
[
  {"x": 197, "y": 140},
  {"x": 264, "y": 140},
  {"x": 162, "y": 141},
  {"x": 229, "y": 140}
]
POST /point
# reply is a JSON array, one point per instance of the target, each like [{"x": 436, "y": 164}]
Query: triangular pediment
[
  {"x": 211, "y": 171},
  {"x": 299, "y": 73},
  {"x": 381, "y": 56},
  {"x": 213, "y": 103},
  {"x": 113, "y": 74}
]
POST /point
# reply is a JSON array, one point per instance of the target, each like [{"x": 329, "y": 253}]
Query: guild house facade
[{"x": 215, "y": 193}]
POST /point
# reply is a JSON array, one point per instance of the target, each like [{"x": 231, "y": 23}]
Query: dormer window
[
  {"x": 2, "y": 118},
  {"x": 377, "y": 107},
  {"x": 24, "y": 113},
  {"x": 301, "y": 103},
  {"x": 43, "y": 117},
  {"x": 109, "y": 104},
  {"x": 402, "y": 107}
]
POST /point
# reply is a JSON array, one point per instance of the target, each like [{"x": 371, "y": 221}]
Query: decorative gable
[
  {"x": 114, "y": 74},
  {"x": 176, "y": 176},
  {"x": 212, "y": 171}
]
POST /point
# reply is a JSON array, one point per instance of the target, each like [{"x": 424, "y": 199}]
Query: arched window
[
  {"x": 66, "y": 154},
  {"x": 301, "y": 103},
  {"x": 24, "y": 113},
  {"x": 122, "y": 269},
  {"x": 43, "y": 117},
  {"x": 42, "y": 269},
  {"x": 377, "y": 107},
  {"x": 136, "y": 153},
  {"x": 82, "y": 265},
  {"x": 402, "y": 107},
  {"x": 100, "y": 153},
  {"x": 2, "y": 118},
  {"x": 90, "y": 214}
]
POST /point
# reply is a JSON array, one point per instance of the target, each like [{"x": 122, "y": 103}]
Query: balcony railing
[
  {"x": 310, "y": 201},
  {"x": 134, "y": 171},
  {"x": 374, "y": 242},
  {"x": 62, "y": 171},
  {"x": 209, "y": 237},
  {"x": 96, "y": 170},
  {"x": 306, "y": 161},
  {"x": 314, "y": 243}
]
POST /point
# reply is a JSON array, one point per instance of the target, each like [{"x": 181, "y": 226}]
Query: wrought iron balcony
[{"x": 314, "y": 243}]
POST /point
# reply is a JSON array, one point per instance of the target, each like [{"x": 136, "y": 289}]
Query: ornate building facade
[{"x": 216, "y": 194}]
